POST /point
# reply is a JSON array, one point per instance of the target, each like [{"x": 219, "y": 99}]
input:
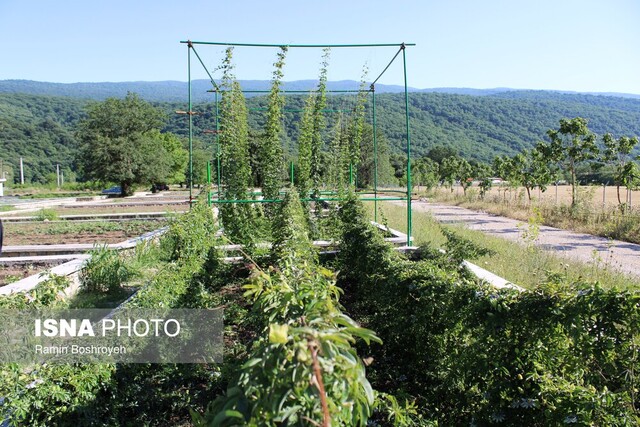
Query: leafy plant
[
  {"x": 46, "y": 215},
  {"x": 271, "y": 154},
  {"x": 105, "y": 271}
]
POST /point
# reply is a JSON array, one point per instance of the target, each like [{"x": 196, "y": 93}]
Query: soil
[
  {"x": 13, "y": 273},
  {"x": 40, "y": 233},
  {"x": 109, "y": 209}
]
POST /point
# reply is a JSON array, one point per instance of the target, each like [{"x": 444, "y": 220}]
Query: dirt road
[{"x": 584, "y": 247}]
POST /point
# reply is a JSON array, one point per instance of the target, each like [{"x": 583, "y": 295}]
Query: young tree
[
  {"x": 506, "y": 170},
  {"x": 121, "y": 142},
  {"x": 449, "y": 171},
  {"x": 530, "y": 170},
  {"x": 484, "y": 173},
  {"x": 571, "y": 145},
  {"x": 464, "y": 174},
  {"x": 618, "y": 153},
  {"x": 427, "y": 172}
]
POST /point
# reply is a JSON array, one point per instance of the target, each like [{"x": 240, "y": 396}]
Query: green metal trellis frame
[{"x": 401, "y": 49}]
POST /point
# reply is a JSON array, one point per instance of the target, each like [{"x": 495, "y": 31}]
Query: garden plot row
[{"x": 454, "y": 351}]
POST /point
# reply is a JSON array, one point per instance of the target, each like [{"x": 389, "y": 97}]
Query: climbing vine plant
[
  {"x": 234, "y": 140},
  {"x": 272, "y": 157}
]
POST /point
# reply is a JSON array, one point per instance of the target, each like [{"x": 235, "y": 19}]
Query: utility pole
[
  {"x": 58, "y": 174},
  {"x": 21, "y": 172}
]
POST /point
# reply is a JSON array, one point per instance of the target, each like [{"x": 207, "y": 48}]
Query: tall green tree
[
  {"x": 271, "y": 153},
  {"x": 571, "y": 145},
  {"x": 121, "y": 142},
  {"x": 237, "y": 218},
  {"x": 617, "y": 153}
]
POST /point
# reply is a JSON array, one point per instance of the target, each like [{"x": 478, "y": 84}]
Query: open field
[
  {"x": 589, "y": 215},
  {"x": 589, "y": 194},
  {"x": 522, "y": 264}
]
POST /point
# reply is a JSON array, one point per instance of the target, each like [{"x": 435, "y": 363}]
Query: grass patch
[
  {"x": 524, "y": 265},
  {"x": 6, "y": 208},
  {"x": 46, "y": 215},
  {"x": 587, "y": 216},
  {"x": 92, "y": 299}
]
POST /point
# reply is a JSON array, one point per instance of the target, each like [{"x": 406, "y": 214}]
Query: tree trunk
[
  {"x": 574, "y": 190},
  {"x": 618, "y": 191},
  {"x": 528, "y": 194},
  {"x": 125, "y": 189}
]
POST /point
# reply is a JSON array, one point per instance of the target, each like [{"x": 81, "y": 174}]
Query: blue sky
[{"x": 581, "y": 45}]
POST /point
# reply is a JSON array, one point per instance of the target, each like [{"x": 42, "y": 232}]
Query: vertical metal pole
[
  {"x": 292, "y": 183},
  {"x": 375, "y": 159},
  {"x": 209, "y": 183},
  {"x": 21, "y": 172},
  {"x": 58, "y": 174},
  {"x": 218, "y": 168},
  {"x": 406, "y": 105},
  {"x": 189, "y": 47}
]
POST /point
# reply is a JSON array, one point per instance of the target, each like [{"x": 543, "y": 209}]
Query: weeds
[
  {"x": 105, "y": 271},
  {"x": 46, "y": 215}
]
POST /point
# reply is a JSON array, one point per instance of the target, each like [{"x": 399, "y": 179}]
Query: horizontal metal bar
[
  {"x": 294, "y": 110},
  {"x": 296, "y": 91},
  {"x": 332, "y": 199},
  {"x": 299, "y": 45},
  {"x": 381, "y": 190}
]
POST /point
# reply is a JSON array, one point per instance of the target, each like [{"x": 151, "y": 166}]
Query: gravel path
[{"x": 620, "y": 255}]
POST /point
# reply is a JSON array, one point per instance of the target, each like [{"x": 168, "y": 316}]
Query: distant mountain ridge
[{"x": 176, "y": 91}]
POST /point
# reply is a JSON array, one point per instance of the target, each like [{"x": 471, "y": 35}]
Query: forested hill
[
  {"x": 41, "y": 128},
  {"x": 175, "y": 91}
]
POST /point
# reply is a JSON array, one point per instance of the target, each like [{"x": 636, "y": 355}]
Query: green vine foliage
[
  {"x": 105, "y": 271},
  {"x": 237, "y": 218},
  {"x": 357, "y": 122},
  {"x": 291, "y": 241},
  {"x": 46, "y": 294},
  {"x": 317, "y": 143},
  {"x": 137, "y": 394},
  {"x": 303, "y": 369},
  {"x": 305, "y": 142},
  {"x": 469, "y": 354},
  {"x": 271, "y": 153}
]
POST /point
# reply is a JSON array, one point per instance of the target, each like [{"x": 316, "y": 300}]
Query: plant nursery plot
[
  {"x": 13, "y": 273},
  {"x": 61, "y": 232}
]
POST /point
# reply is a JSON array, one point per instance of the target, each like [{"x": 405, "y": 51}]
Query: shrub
[
  {"x": 46, "y": 215},
  {"x": 105, "y": 271}
]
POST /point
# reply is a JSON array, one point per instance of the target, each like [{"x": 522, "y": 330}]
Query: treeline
[{"x": 42, "y": 129}]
